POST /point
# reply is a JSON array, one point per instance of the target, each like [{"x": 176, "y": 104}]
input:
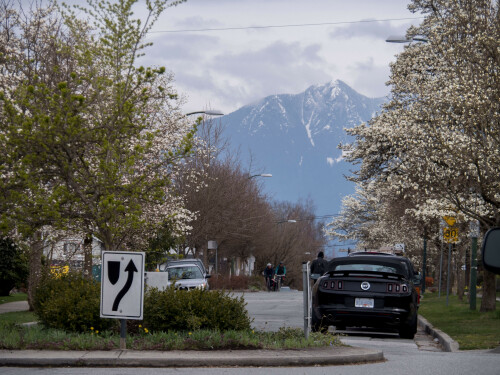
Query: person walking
[{"x": 318, "y": 266}]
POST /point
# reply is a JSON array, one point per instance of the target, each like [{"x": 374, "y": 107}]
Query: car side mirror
[
  {"x": 491, "y": 250},
  {"x": 314, "y": 276}
]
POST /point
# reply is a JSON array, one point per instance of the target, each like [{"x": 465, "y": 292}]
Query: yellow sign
[
  {"x": 450, "y": 235},
  {"x": 450, "y": 220}
]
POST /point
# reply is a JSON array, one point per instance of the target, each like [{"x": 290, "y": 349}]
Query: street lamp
[
  {"x": 286, "y": 221},
  {"x": 260, "y": 175},
  {"x": 208, "y": 113},
  {"x": 402, "y": 39}
]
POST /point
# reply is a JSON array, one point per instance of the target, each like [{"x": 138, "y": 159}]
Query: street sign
[
  {"x": 450, "y": 235},
  {"x": 122, "y": 284},
  {"x": 450, "y": 220},
  {"x": 399, "y": 247}
]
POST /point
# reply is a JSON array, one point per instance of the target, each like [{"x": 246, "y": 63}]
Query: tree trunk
[
  {"x": 87, "y": 256},
  {"x": 35, "y": 267},
  {"x": 488, "y": 302}
]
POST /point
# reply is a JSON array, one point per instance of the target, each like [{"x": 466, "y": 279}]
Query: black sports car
[{"x": 367, "y": 291}]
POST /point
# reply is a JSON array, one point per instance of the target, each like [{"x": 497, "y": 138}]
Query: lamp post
[
  {"x": 260, "y": 175},
  {"x": 208, "y": 113},
  {"x": 402, "y": 39}
]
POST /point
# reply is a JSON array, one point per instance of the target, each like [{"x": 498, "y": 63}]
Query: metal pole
[
  {"x": 473, "y": 274},
  {"x": 448, "y": 275},
  {"x": 123, "y": 334},
  {"x": 307, "y": 307},
  {"x": 440, "y": 270},
  {"x": 424, "y": 261}
]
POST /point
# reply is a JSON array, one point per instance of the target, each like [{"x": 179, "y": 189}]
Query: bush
[
  {"x": 13, "y": 266},
  {"x": 71, "y": 303},
  {"x": 173, "y": 309},
  {"x": 429, "y": 281}
]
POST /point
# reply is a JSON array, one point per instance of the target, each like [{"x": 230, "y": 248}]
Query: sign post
[
  {"x": 122, "y": 288},
  {"x": 450, "y": 235}
]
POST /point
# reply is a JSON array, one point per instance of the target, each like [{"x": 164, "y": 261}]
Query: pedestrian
[{"x": 318, "y": 266}]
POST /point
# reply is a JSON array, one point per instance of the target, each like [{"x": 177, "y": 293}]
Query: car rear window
[
  {"x": 366, "y": 267},
  {"x": 186, "y": 272}
]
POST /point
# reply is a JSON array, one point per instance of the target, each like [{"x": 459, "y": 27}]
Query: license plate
[{"x": 364, "y": 302}]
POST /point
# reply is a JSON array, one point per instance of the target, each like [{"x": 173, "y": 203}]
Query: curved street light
[
  {"x": 260, "y": 175},
  {"x": 208, "y": 113},
  {"x": 403, "y": 39}
]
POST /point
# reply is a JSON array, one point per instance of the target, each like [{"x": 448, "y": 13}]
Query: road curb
[
  {"x": 448, "y": 344},
  {"x": 241, "y": 358}
]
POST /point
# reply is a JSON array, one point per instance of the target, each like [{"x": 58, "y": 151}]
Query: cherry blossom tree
[{"x": 437, "y": 140}]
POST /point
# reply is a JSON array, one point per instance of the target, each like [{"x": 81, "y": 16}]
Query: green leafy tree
[{"x": 91, "y": 141}]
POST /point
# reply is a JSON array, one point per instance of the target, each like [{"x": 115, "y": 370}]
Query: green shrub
[
  {"x": 71, "y": 303},
  {"x": 13, "y": 266},
  {"x": 173, "y": 309}
]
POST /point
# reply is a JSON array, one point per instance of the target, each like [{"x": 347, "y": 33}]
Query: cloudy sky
[{"x": 309, "y": 42}]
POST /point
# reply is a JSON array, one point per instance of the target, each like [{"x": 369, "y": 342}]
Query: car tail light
[
  {"x": 339, "y": 285},
  {"x": 397, "y": 288},
  {"x": 333, "y": 285}
]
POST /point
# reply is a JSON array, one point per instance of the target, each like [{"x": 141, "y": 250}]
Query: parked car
[
  {"x": 367, "y": 291},
  {"x": 173, "y": 262},
  {"x": 187, "y": 276}
]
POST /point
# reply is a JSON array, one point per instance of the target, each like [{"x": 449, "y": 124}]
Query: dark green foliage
[
  {"x": 13, "y": 266},
  {"x": 71, "y": 303},
  {"x": 192, "y": 310}
]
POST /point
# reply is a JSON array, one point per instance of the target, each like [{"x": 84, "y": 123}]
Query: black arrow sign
[{"x": 130, "y": 269}]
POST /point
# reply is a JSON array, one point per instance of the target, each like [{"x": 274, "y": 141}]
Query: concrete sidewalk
[
  {"x": 242, "y": 358},
  {"x": 14, "y": 306}
]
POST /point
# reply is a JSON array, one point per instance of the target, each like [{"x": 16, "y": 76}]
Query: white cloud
[
  {"x": 227, "y": 69},
  {"x": 332, "y": 161}
]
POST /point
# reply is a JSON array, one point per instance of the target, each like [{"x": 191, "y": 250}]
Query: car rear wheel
[{"x": 408, "y": 330}]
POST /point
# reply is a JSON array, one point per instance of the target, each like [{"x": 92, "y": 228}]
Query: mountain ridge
[{"x": 295, "y": 137}]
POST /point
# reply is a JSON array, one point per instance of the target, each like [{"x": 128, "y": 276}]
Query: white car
[{"x": 187, "y": 276}]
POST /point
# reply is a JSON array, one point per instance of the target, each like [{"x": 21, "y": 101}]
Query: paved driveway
[{"x": 272, "y": 310}]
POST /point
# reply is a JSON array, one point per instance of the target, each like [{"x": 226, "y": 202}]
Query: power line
[{"x": 282, "y": 26}]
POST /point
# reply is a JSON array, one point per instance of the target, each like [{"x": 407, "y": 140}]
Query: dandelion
[
  {"x": 91, "y": 328},
  {"x": 96, "y": 331},
  {"x": 146, "y": 330},
  {"x": 140, "y": 325},
  {"x": 189, "y": 333}
]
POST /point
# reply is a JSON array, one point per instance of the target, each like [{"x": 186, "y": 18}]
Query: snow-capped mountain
[{"x": 295, "y": 137}]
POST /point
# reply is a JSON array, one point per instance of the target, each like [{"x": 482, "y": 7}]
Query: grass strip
[
  {"x": 15, "y": 336},
  {"x": 471, "y": 329}
]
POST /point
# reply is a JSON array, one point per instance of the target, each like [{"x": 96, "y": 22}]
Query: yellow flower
[
  {"x": 146, "y": 330},
  {"x": 96, "y": 331},
  {"x": 91, "y": 328},
  {"x": 140, "y": 325},
  {"x": 189, "y": 333}
]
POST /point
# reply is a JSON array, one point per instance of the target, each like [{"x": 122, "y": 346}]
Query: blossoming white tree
[{"x": 437, "y": 142}]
